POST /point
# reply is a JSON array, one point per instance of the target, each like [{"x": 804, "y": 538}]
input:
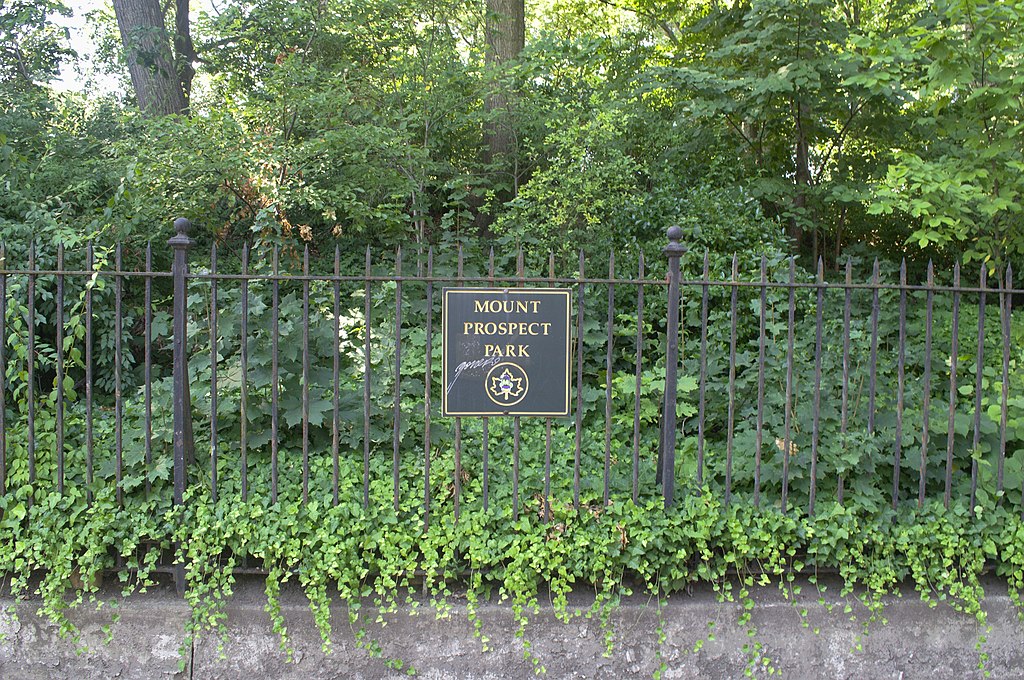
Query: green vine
[{"x": 389, "y": 561}]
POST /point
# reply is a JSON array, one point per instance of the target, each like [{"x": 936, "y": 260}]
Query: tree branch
[
  {"x": 739, "y": 130},
  {"x": 838, "y": 139},
  {"x": 654, "y": 19},
  {"x": 252, "y": 208}
]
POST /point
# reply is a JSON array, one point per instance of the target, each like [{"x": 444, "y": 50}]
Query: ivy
[{"x": 376, "y": 556}]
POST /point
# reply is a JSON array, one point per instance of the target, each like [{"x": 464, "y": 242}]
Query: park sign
[{"x": 505, "y": 352}]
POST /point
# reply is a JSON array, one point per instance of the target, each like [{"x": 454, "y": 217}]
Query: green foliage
[
  {"x": 71, "y": 541},
  {"x": 963, "y": 188},
  {"x": 342, "y": 123},
  {"x": 385, "y": 557},
  {"x": 588, "y": 182},
  {"x": 789, "y": 84},
  {"x": 889, "y": 125},
  {"x": 31, "y": 46},
  {"x": 59, "y": 186}
]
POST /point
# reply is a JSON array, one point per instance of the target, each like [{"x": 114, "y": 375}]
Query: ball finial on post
[
  {"x": 182, "y": 226},
  {"x": 181, "y": 239},
  {"x": 674, "y": 247}
]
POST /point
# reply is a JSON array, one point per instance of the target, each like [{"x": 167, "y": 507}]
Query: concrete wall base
[{"x": 146, "y": 642}]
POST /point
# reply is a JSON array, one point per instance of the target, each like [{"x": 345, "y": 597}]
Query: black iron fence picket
[{"x": 745, "y": 387}]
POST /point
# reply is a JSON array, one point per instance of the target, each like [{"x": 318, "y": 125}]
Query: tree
[
  {"x": 812, "y": 112},
  {"x": 328, "y": 118},
  {"x": 31, "y": 47},
  {"x": 161, "y": 82},
  {"x": 960, "y": 172},
  {"x": 505, "y": 34}
]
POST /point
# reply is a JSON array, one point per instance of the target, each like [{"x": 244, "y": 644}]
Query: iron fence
[{"x": 711, "y": 382}]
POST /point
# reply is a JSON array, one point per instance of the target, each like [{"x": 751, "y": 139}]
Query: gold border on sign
[{"x": 567, "y": 292}]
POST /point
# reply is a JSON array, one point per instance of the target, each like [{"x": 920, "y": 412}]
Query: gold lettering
[
  {"x": 507, "y": 351},
  {"x": 506, "y": 328},
  {"x": 506, "y": 306}
]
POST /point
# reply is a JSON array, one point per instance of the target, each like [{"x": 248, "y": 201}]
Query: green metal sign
[{"x": 505, "y": 352}]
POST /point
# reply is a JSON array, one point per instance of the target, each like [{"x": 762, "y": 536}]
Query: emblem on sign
[{"x": 507, "y": 384}]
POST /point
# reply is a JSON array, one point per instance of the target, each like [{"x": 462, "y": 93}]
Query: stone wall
[{"x": 147, "y": 640}]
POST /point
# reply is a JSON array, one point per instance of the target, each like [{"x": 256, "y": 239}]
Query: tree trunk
[
  {"x": 839, "y": 234},
  {"x": 184, "y": 49},
  {"x": 803, "y": 174},
  {"x": 147, "y": 46},
  {"x": 505, "y": 33}
]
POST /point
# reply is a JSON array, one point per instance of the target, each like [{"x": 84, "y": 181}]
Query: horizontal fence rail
[{"x": 256, "y": 375}]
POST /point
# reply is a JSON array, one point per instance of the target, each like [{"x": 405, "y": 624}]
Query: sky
[{"x": 81, "y": 42}]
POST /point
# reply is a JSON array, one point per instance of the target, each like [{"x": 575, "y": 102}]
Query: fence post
[
  {"x": 183, "y": 442},
  {"x": 674, "y": 250}
]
